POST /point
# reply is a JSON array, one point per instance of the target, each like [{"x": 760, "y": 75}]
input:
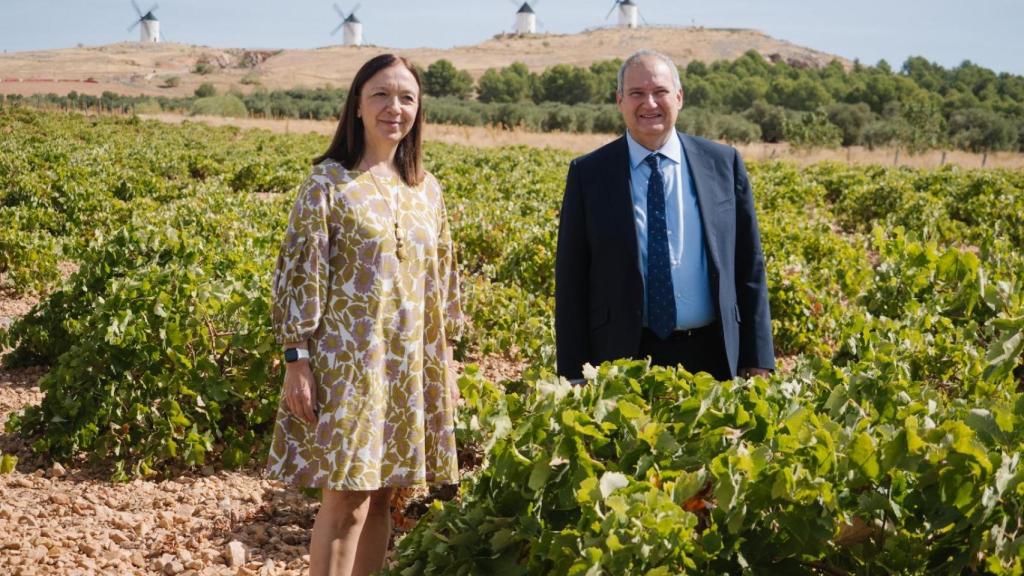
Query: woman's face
[{"x": 388, "y": 104}]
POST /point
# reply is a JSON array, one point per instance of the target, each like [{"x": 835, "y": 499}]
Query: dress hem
[{"x": 341, "y": 488}]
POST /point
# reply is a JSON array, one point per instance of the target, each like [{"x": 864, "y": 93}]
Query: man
[{"x": 659, "y": 253}]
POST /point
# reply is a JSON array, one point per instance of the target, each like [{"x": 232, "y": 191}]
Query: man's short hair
[{"x": 643, "y": 54}]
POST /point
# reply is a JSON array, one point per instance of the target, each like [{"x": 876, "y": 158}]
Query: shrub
[
  {"x": 451, "y": 111},
  {"x": 735, "y": 128},
  {"x": 147, "y": 106},
  {"x": 203, "y": 68},
  {"x": 205, "y": 90},
  {"x": 520, "y": 115},
  {"x": 608, "y": 120}
]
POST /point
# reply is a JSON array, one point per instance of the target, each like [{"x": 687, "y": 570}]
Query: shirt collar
[{"x": 672, "y": 150}]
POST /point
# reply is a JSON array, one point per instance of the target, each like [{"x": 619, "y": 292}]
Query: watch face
[{"x": 291, "y": 355}]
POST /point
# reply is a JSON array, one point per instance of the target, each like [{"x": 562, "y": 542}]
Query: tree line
[{"x": 920, "y": 106}]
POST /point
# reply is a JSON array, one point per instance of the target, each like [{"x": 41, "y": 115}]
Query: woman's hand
[
  {"x": 452, "y": 376},
  {"x": 453, "y": 384},
  {"x": 300, "y": 390}
]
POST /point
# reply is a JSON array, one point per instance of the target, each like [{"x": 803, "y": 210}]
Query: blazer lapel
[
  {"x": 702, "y": 169},
  {"x": 622, "y": 200}
]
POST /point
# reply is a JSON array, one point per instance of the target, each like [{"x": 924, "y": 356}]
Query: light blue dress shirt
[{"x": 685, "y": 231}]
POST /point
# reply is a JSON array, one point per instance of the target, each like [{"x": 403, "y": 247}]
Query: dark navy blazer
[{"x": 599, "y": 289}]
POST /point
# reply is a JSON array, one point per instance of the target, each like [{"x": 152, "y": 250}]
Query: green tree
[
  {"x": 442, "y": 78},
  {"x": 509, "y": 84},
  {"x": 851, "y": 119},
  {"x": 568, "y": 84},
  {"x": 745, "y": 92},
  {"x": 750, "y": 65},
  {"x": 699, "y": 93},
  {"x": 881, "y": 132},
  {"x": 875, "y": 88},
  {"x": 803, "y": 94},
  {"x": 981, "y": 130},
  {"x": 923, "y": 125},
  {"x": 812, "y": 130},
  {"x": 696, "y": 69},
  {"x": 770, "y": 119},
  {"x": 606, "y": 74},
  {"x": 925, "y": 74},
  {"x": 969, "y": 77}
]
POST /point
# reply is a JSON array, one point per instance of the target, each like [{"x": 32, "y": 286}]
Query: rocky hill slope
[{"x": 133, "y": 68}]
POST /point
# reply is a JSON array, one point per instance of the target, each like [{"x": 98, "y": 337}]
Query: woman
[{"x": 366, "y": 286}]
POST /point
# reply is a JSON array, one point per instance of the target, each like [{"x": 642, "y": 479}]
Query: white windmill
[
  {"x": 628, "y": 13},
  {"x": 352, "y": 35},
  {"x": 149, "y": 32},
  {"x": 526, "y": 18}
]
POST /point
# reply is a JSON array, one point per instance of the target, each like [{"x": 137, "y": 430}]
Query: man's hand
[
  {"x": 300, "y": 390},
  {"x": 751, "y": 372}
]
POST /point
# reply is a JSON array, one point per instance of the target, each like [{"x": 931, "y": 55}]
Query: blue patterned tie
[{"x": 661, "y": 302}]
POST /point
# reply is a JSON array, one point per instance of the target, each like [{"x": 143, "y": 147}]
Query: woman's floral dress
[{"x": 377, "y": 313}]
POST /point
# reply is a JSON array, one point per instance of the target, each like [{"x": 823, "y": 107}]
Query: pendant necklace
[{"x": 399, "y": 240}]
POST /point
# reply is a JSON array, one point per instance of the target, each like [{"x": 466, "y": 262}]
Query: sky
[{"x": 948, "y": 32}]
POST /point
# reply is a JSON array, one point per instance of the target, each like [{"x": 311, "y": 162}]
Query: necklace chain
[{"x": 393, "y": 207}]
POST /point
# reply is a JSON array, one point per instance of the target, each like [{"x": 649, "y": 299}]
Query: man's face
[{"x": 649, "y": 102}]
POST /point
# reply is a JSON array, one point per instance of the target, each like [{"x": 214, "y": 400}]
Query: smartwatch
[{"x": 295, "y": 354}]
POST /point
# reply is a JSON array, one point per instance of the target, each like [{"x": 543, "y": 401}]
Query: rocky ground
[{"x": 57, "y": 520}]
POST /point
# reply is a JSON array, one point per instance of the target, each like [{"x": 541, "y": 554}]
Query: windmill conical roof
[
  {"x": 352, "y": 19},
  {"x": 627, "y": 3},
  {"x": 149, "y": 17},
  {"x": 525, "y": 9}
]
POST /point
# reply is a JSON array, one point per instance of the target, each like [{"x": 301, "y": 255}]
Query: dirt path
[{"x": 490, "y": 137}]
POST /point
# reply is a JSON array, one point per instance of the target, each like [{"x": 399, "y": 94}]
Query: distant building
[
  {"x": 150, "y": 30},
  {"x": 526, "y": 20},
  {"x": 628, "y": 14},
  {"x": 352, "y": 32}
]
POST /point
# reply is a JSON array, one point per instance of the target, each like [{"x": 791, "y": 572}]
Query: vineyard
[{"x": 889, "y": 442}]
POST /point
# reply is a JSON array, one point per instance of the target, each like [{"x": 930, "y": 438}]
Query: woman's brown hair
[{"x": 349, "y": 143}]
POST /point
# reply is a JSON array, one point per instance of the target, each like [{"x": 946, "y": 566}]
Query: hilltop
[{"x": 143, "y": 69}]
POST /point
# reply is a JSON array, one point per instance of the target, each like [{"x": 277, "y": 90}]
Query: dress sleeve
[
  {"x": 299, "y": 288},
  {"x": 448, "y": 273}
]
